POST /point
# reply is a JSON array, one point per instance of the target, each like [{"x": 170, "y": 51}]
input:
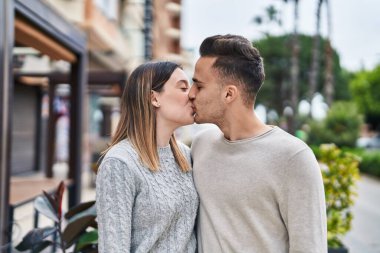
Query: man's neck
[{"x": 243, "y": 125}]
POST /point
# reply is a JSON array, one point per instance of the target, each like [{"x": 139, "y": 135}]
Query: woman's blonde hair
[{"x": 138, "y": 118}]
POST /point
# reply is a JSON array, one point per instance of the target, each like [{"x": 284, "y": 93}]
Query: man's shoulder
[
  {"x": 207, "y": 133},
  {"x": 286, "y": 142}
]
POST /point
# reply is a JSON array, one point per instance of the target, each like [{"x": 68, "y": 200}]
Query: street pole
[
  {"x": 6, "y": 95},
  {"x": 148, "y": 21}
]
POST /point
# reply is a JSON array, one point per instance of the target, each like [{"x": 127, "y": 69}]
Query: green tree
[
  {"x": 276, "y": 91},
  {"x": 341, "y": 126},
  {"x": 272, "y": 16},
  {"x": 365, "y": 89},
  {"x": 340, "y": 173}
]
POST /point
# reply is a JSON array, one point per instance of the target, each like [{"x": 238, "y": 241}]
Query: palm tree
[
  {"x": 294, "y": 70},
  {"x": 314, "y": 71},
  {"x": 329, "y": 78}
]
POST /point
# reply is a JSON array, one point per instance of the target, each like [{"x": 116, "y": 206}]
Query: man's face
[{"x": 206, "y": 93}]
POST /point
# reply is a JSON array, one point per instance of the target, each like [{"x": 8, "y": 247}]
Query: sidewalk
[
  {"x": 23, "y": 216},
  {"x": 365, "y": 234}
]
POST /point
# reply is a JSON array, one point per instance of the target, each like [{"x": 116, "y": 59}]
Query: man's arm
[{"x": 303, "y": 207}]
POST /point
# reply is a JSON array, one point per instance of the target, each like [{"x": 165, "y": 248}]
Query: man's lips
[{"x": 194, "y": 109}]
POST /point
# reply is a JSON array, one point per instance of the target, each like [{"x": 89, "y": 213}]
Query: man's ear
[
  {"x": 154, "y": 100},
  {"x": 231, "y": 92}
]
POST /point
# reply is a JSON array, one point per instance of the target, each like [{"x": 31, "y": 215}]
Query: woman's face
[{"x": 175, "y": 108}]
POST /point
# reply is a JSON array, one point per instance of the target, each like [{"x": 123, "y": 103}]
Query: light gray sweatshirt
[
  {"x": 143, "y": 211},
  {"x": 259, "y": 195}
]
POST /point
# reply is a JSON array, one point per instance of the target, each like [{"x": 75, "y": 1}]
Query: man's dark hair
[{"x": 238, "y": 61}]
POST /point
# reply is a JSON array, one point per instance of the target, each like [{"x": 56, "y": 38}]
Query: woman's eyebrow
[{"x": 179, "y": 82}]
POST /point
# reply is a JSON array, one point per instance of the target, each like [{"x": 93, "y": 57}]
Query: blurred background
[{"x": 64, "y": 64}]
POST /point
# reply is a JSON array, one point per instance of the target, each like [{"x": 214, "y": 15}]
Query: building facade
[{"x": 64, "y": 67}]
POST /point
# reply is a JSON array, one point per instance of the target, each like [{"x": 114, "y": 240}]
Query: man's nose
[{"x": 192, "y": 92}]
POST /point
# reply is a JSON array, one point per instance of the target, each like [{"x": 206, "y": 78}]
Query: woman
[{"x": 145, "y": 196}]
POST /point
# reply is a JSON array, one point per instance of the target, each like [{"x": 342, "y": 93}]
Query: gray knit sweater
[{"x": 143, "y": 211}]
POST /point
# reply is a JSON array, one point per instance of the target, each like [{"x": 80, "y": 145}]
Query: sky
[{"x": 355, "y": 24}]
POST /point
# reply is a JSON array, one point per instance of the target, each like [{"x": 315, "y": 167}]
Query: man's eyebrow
[{"x": 196, "y": 80}]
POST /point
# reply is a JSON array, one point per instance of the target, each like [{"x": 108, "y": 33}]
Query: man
[{"x": 260, "y": 188}]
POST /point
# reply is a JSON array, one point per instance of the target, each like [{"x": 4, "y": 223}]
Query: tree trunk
[
  {"x": 294, "y": 70},
  {"x": 329, "y": 78},
  {"x": 314, "y": 71}
]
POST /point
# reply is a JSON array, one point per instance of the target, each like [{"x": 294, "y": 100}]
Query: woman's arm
[{"x": 115, "y": 193}]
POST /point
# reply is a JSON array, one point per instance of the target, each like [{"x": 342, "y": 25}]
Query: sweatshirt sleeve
[
  {"x": 303, "y": 208},
  {"x": 115, "y": 193}
]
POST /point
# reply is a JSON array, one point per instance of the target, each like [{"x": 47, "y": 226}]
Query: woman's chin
[{"x": 189, "y": 121}]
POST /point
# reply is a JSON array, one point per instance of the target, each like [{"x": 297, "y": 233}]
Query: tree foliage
[
  {"x": 341, "y": 126},
  {"x": 276, "y": 51},
  {"x": 340, "y": 173},
  {"x": 365, "y": 89}
]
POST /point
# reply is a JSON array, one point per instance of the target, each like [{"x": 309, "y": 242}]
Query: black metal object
[
  {"x": 45, "y": 19},
  {"x": 51, "y": 133},
  {"x": 98, "y": 77},
  {"x": 12, "y": 209},
  {"x": 6, "y": 94},
  {"x": 148, "y": 21},
  {"x": 338, "y": 250},
  {"x": 37, "y": 156},
  {"x": 51, "y": 23},
  {"x": 8, "y": 249},
  {"x": 78, "y": 79},
  {"x": 25, "y": 119}
]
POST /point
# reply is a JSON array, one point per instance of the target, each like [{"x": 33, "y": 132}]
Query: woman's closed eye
[{"x": 184, "y": 87}]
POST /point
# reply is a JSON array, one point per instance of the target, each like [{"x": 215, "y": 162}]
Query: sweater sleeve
[
  {"x": 115, "y": 191},
  {"x": 303, "y": 208}
]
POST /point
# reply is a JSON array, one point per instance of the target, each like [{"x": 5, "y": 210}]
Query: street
[{"x": 364, "y": 236}]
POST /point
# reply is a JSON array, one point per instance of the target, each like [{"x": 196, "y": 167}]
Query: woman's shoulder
[
  {"x": 120, "y": 158},
  {"x": 124, "y": 152},
  {"x": 121, "y": 150}
]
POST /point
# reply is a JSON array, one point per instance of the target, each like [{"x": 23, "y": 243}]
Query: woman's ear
[
  {"x": 154, "y": 100},
  {"x": 230, "y": 93}
]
